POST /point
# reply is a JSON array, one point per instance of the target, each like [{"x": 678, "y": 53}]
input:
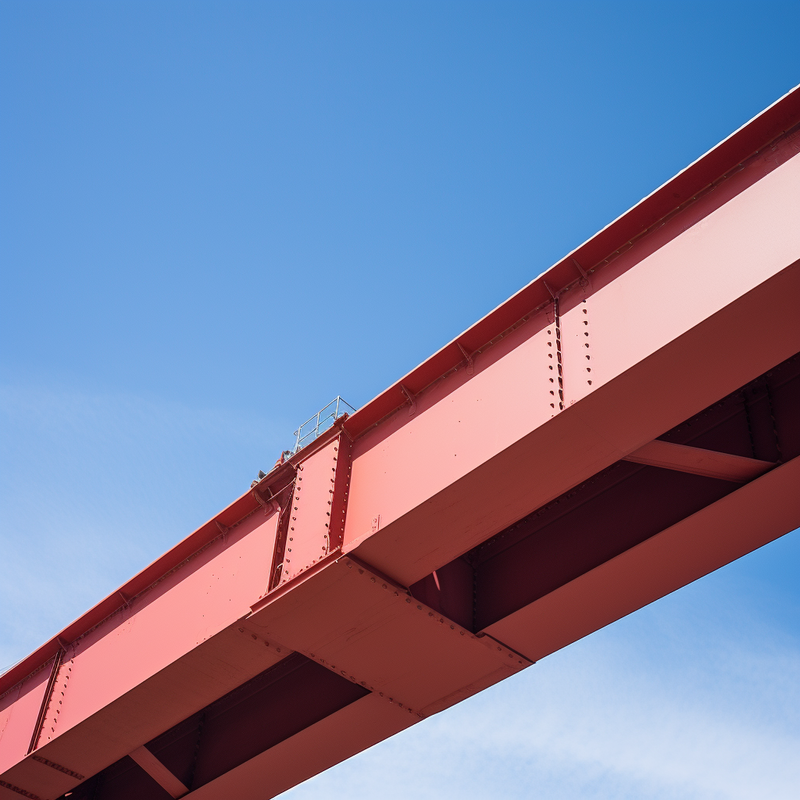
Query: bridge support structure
[{"x": 622, "y": 426}]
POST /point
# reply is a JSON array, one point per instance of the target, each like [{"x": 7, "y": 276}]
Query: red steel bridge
[{"x": 623, "y": 425}]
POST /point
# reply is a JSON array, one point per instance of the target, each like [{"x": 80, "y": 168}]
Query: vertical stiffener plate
[{"x": 318, "y": 508}]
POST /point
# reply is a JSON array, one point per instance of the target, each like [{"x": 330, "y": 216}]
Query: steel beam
[
  {"x": 467, "y": 521},
  {"x": 158, "y": 772},
  {"x": 699, "y": 461}
]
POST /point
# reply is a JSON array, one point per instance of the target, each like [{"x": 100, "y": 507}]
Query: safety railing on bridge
[{"x": 320, "y": 422}]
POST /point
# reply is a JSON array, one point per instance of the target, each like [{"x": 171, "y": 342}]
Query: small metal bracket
[
  {"x": 265, "y": 502},
  {"x": 552, "y": 293},
  {"x": 469, "y": 359},
  {"x": 347, "y": 434},
  {"x": 223, "y": 529},
  {"x": 411, "y": 399},
  {"x": 584, "y": 281}
]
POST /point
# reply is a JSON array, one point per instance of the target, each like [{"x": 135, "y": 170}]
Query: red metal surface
[
  {"x": 19, "y": 713},
  {"x": 158, "y": 772},
  {"x": 620, "y": 427},
  {"x": 698, "y": 461},
  {"x": 739, "y": 161},
  {"x": 684, "y": 552},
  {"x": 316, "y": 513},
  {"x": 404, "y": 652}
]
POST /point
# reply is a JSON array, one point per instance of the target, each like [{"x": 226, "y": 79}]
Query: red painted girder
[
  {"x": 19, "y": 711},
  {"x": 737, "y": 162},
  {"x": 733, "y": 526},
  {"x": 368, "y": 629},
  {"x": 173, "y": 559},
  {"x": 668, "y": 335},
  {"x": 739, "y": 523},
  {"x": 667, "y": 321},
  {"x": 175, "y": 649}
]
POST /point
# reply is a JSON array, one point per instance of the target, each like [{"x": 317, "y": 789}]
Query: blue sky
[{"x": 214, "y": 217}]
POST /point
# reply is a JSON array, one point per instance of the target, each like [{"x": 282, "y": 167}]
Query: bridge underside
[
  {"x": 620, "y": 522},
  {"x": 621, "y": 427},
  {"x": 495, "y": 587}
]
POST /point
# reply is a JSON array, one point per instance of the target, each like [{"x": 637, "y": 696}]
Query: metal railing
[{"x": 320, "y": 422}]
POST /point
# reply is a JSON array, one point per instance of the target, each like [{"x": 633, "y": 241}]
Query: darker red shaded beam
[
  {"x": 698, "y": 461},
  {"x": 158, "y": 772}
]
